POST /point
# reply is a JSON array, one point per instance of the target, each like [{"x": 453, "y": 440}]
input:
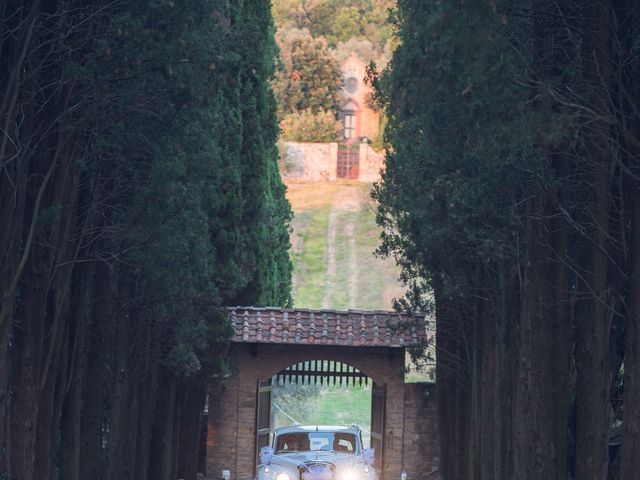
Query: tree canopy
[
  {"x": 140, "y": 196},
  {"x": 510, "y": 200},
  {"x": 313, "y": 37},
  {"x": 310, "y": 76}
]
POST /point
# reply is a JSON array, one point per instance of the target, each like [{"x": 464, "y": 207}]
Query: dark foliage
[
  {"x": 139, "y": 196},
  {"x": 510, "y": 199}
]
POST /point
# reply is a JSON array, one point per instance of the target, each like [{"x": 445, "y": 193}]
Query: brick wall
[
  {"x": 222, "y": 428},
  {"x": 318, "y": 162},
  {"x": 421, "y": 450},
  {"x": 232, "y": 402},
  {"x": 368, "y": 121},
  {"x": 371, "y": 163},
  {"x": 310, "y": 161}
]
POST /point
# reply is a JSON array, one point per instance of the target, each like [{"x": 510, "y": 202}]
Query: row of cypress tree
[
  {"x": 139, "y": 194},
  {"x": 511, "y": 198}
]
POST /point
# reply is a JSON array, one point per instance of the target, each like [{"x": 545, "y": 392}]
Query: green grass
[
  {"x": 327, "y": 405},
  {"x": 339, "y": 294},
  {"x": 345, "y": 406},
  {"x": 361, "y": 279},
  {"x": 308, "y": 255},
  {"x": 380, "y": 288}
]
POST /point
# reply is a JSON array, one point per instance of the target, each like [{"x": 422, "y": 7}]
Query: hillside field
[{"x": 333, "y": 241}]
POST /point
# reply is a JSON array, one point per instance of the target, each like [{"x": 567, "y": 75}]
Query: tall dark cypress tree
[
  {"x": 508, "y": 193},
  {"x": 148, "y": 200},
  {"x": 268, "y": 237}
]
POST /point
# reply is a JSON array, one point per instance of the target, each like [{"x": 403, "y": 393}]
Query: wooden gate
[
  {"x": 378, "y": 400},
  {"x": 263, "y": 417},
  {"x": 348, "y": 162}
]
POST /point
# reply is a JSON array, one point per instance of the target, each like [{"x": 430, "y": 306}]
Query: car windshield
[{"x": 314, "y": 441}]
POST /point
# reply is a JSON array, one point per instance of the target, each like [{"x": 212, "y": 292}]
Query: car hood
[{"x": 293, "y": 460}]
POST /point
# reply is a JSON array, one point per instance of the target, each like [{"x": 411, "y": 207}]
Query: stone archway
[
  {"x": 324, "y": 373},
  {"x": 266, "y": 341}
]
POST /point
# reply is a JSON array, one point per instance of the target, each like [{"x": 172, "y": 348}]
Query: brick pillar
[
  {"x": 393, "y": 377},
  {"x": 221, "y": 432},
  {"x": 363, "y": 164},
  {"x": 333, "y": 161},
  {"x": 421, "y": 449}
]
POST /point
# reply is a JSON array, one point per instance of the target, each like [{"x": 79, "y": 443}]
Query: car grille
[{"x": 317, "y": 471}]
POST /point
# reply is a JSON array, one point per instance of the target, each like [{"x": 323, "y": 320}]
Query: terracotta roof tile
[{"x": 327, "y": 327}]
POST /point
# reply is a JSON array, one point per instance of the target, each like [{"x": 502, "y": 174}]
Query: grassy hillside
[
  {"x": 333, "y": 239},
  {"x": 327, "y": 405},
  {"x": 334, "y": 236}
]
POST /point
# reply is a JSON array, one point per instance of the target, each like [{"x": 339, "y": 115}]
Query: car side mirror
[
  {"x": 266, "y": 455},
  {"x": 369, "y": 455}
]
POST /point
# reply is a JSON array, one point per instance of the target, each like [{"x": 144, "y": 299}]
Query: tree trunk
[
  {"x": 149, "y": 396},
  {"x": 18, "y": 204},
  {"x": 70, "y": 432},
  {"x": 498, "y": 317},
  {"x": 133, "y": 415},
  {"x": 561, "y": 320},
  {"x": 535, "y": 453},
  {"x": 446, "y": 366},
  {"x": 192, "y": 394},
  {"x": 25, "y": 404},
  {"x": 488, "y": 382},
  {"x": 45, "y": 437},
  {"x": 53, "y": 386},
  {"x": 12, "y": 204},
  {"x": 71, "y": 412},
  {"x": 60, "y": 251},
  {"x": 629, "y": 457},
  {"x": 511, "y": 306},
  {"x": 120, "y": 395},
  {"x": 629, "y": 15},
  {"x": 95, "y": 380},
  {"x": 453, "y": 372},
  {"x": 162, "y": 463},
  {"x": 593, "y": 323}
]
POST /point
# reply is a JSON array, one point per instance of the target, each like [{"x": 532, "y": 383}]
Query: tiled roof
[{"x": 326, "y": 327}]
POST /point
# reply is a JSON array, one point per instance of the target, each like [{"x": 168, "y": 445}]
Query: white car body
[{"x": 317, "y": 453}]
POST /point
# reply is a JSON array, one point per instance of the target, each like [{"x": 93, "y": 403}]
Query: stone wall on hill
[{"x": 311, "y": 161}]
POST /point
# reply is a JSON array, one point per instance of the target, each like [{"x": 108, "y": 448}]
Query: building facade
[{"x": 359, "y": 121}]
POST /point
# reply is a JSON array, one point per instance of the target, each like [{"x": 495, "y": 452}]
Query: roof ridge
[
  {"x": 325, "y": 310},
  {"x": 303, "y": 326}
]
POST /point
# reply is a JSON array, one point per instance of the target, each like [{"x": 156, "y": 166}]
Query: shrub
[{"x": 307, "y": 126}]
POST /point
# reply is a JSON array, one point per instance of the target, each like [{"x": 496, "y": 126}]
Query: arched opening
[{"x": 321, "y": 392}]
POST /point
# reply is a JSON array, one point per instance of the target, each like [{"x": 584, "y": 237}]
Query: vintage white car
[{"x": 317, "y": 453}]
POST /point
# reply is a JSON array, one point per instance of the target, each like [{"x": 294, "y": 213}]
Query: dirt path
[
  {"x": 352, "y": 279},
  {"x": 347, "y": 199},
  {"x": 334, "y": 236},
  {"x": 330, "y": 275}
]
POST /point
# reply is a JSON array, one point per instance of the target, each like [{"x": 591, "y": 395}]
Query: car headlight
[
  {"x": 283, "y": 476},
  {"x": 349, "y": 475}
]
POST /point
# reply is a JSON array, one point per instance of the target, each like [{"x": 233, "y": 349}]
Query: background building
[{"x": 359, "y": 121}]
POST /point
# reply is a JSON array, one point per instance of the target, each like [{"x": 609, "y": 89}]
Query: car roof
[{"x": 318, "y": 428}]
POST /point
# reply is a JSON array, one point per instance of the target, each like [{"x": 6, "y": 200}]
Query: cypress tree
[
  {"x": 155, "y": 201},
  {"x": 507, "y": 199}
]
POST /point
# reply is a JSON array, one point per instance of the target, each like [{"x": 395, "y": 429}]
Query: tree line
[
  {"x": 314, "y": 38},
  {"x": 511, "y": 198},
  {"x": 139, "y": 195}
]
